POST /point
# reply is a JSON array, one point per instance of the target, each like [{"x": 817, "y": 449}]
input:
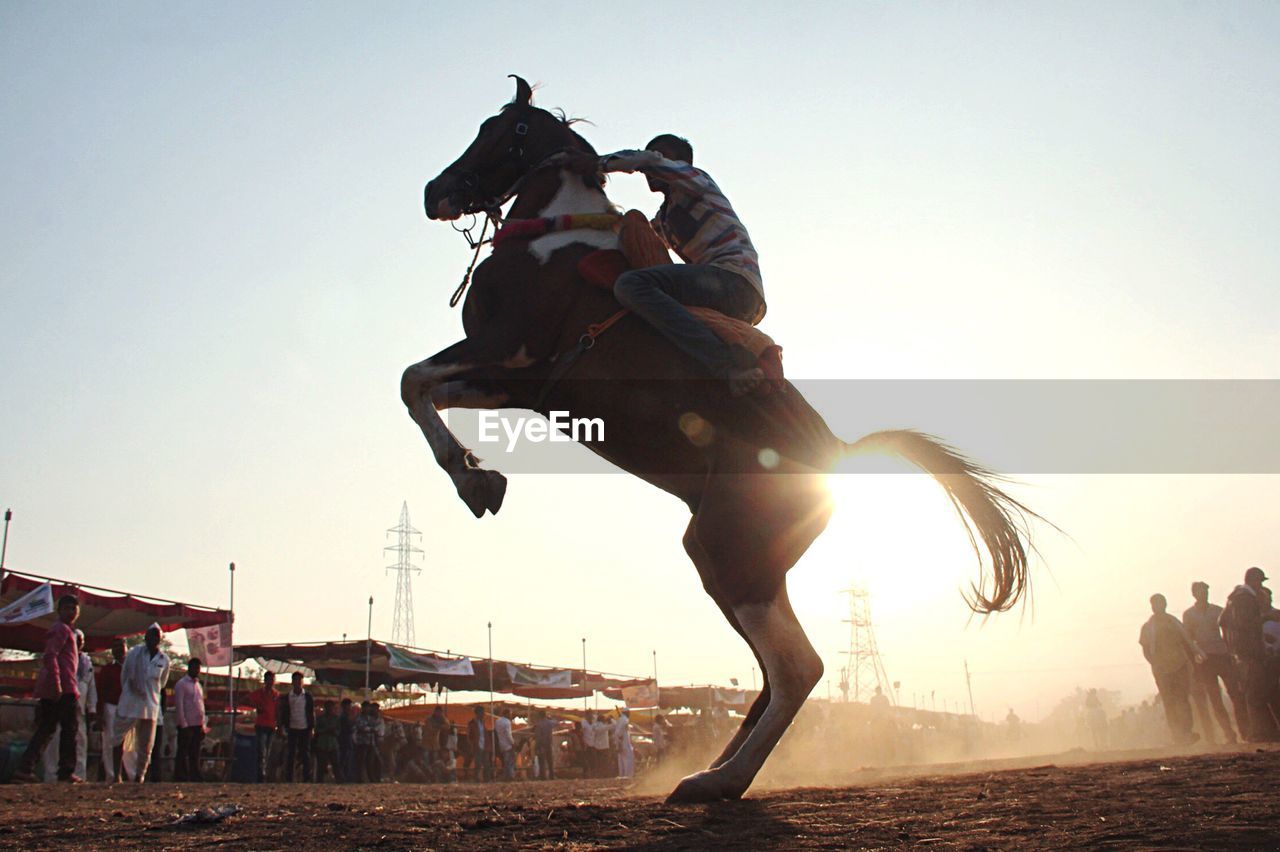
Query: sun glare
[{"x": 896, "y": 535}]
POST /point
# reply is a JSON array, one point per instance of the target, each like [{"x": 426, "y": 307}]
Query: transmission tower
[
  {"x": 402, "y": 619},
  {"x": 864, "y": 670}
]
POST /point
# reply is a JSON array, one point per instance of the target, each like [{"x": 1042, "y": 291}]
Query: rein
[
  {"x": 475, "y": 257},
  {"x": 492, "y": 208}
]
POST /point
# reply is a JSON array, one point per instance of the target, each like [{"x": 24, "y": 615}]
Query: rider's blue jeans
[{"x": 660, "y": 293}]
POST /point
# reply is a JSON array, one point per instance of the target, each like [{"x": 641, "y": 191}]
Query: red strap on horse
[{"x": 598, "y": 328}]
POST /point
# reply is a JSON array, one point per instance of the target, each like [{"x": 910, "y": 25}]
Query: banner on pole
[
  {"x": 640, "y": 696},
  {"x": 32, "y": 605},
  {"x": 211, "y": 645},
  {"x": 521, "y": 676},
  {"x": 407, "y": 661}
]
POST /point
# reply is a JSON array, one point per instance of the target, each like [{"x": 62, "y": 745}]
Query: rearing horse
[{"x": 754, "y": 513}]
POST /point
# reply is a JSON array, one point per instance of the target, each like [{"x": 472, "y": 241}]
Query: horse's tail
[{"x": 987, "y": 512}]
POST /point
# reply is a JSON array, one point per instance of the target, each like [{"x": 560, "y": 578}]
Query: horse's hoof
[
  {"x": 482, "y": 490},
  {"x": 495, "y": 490},
  {"x": 705, "y": 786}
]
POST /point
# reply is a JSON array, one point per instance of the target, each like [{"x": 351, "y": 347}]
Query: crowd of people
[
  {"x": 1235, "y": 647},
  {"x": 126, "y": 696}
]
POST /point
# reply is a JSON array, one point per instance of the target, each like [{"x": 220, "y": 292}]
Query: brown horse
[{"x": 751, "y": 470}]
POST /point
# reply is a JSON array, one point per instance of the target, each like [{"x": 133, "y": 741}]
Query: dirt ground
[{"x": 1214, "y": 800}]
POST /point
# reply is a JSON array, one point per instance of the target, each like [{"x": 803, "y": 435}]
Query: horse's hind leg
[
  {"x": 751, "y": 530},
  {"x": 706, "y": 570},
  {"x": 421, "y": 389}
]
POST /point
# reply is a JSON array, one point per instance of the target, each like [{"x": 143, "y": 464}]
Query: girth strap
[{"x": 565, "y": 360}]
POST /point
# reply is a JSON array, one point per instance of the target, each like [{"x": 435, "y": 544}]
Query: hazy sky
[{"x": 214, "y": 266}]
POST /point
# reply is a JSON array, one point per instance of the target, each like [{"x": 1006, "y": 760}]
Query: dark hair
[
  {"x": 296, "y": 676},
  {"x": 672, "y": 144},
  {"x": 346, "y": 701},
  {"x": 195, "y": 661},
  {"x": 66, "y": 600}
]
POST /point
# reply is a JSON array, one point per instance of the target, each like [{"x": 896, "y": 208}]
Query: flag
[
  {"x": 521, "y": 676},
  {"x": 406, "y": 661},
  {"x": 640, "y": 696},
  {"x": 32, "y": 605},
  {"x": 211, "y": 645}
]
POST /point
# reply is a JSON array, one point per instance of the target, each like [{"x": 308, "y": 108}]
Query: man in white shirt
[
  {"x": 299, "y": 720},
  {"x": 600, "y": 745},
  {"x": 1201, "y": 623},
  {"x": 622, "y": 740},
  {"x": 188, "y": 705},
  {"x": 506, "y": 744},
  {"x": 145, "y": 672}
]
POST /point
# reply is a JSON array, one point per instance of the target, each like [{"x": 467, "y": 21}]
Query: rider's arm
[{"x": 653, "y": 164}]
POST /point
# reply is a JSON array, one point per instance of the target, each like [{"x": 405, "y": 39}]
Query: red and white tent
[{"x": 105, "y": 614}]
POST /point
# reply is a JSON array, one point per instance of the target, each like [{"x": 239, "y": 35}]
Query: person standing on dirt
[
  {"x": 1201, "y": 622},
  {"x": 622, "y": 742},
  {"x": 1241, "y": 622},
  {"x": 543, "y": 738},
  {"x": 326, "y": 744},
  {"x": 188, "y": 705},
  {"x": 264, "y": 701},
  {"x": 505, "y": 743},
  {"x": 297, "y": 716},
  {"x": 58, "y": 694},
  {"x": 108, "y": 699},
  {"x": 478, "y": 739},
  {"x": 436, "y": 726},
  {"x": 86, "y": 710},
  {"x": 347, "y": 743},
  {"x": 370, "y": 730},
  {"x": 142, "y": 680},
  {"x": 1172, "y": 656}
]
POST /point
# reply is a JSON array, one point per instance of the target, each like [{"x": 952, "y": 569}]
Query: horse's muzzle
[{"x": 437, "y": 200}]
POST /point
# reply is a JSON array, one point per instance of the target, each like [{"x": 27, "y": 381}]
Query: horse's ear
[{"x": 524, "y": 93}]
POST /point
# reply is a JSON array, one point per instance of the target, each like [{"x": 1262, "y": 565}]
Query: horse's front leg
[{"x": 422, "y": 389}]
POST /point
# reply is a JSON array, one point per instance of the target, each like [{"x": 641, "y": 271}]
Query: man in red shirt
[
  {"x": 108, "y": 698},
  {"x": 263, "y": 700},
  {"x": 59, "y": 693}
]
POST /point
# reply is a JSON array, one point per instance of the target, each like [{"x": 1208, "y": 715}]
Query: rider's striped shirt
[{"x": 696, "y": 219}]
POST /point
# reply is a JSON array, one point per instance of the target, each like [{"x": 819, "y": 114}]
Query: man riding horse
[
  {"x": 720, "y": 269},
  {"x": 540, "y": 335}
]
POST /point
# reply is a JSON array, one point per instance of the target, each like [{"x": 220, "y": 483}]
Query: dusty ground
[{"x": 1213, "y": 800}]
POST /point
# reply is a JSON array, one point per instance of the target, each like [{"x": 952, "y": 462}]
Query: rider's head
[
  {"x": 1158, "y": 603},
  {"x": 673, "y": 147}
]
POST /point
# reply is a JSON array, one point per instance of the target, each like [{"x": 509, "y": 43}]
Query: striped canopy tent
[
  {"x": 105, "y": 614},
  {"x": 389, "y": 665}
]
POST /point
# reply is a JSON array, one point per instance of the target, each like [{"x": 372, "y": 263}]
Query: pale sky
[{"x": 214, "y": 266}]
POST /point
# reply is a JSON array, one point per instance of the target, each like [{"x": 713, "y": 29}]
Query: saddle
[{"x": 641, "y": 248}]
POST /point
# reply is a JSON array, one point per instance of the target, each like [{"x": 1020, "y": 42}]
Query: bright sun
[{"x": 895, "y": 534}]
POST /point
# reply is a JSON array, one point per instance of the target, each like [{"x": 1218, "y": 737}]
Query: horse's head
[{"x": 509, "y": 145}]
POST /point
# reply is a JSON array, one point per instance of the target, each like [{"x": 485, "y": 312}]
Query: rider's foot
[{"x": 745, "y": 382}]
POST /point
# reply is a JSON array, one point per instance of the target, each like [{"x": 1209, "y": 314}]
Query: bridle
[{"x": 492, "y": 207}]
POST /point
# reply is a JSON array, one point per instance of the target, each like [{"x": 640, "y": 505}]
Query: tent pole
[
  {"x": 4, "y": 548},
  {"x": 368, "y": 650},
  {"x": 586, "y": 692},
  {"x": 657, "y": 693},
  {"x": 231, "y": 681}
]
